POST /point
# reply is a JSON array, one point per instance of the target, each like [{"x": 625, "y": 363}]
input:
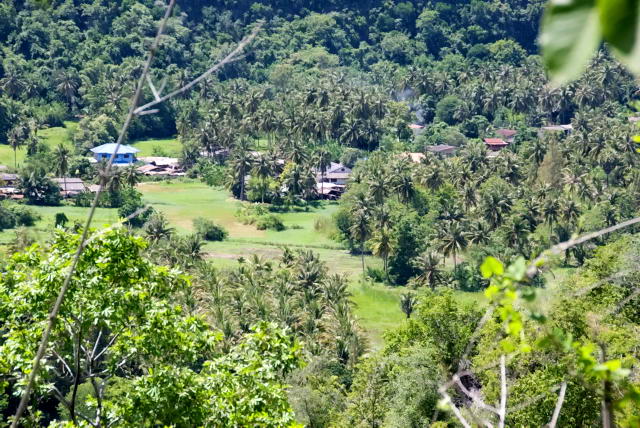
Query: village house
[
  {"x": 336, "y": 174},
  {"x": 8, "y": 185},
  {"x": 416, "y": 128},
  {"x": 330, "y": 191},
  {"x": 161, "y": 166},
  {"x": 70, "y": 186},
  {"x": 443, "y": 150},
  {"x": 495, "y": 144},
  {"x": 566, "y": 129},
  {"x": 126, "y": 154}
]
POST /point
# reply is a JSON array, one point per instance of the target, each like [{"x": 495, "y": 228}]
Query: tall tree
[{"x": 62, "y": 156}]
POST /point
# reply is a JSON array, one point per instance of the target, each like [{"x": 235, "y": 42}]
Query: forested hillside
[{"x": 444, "y": 163}]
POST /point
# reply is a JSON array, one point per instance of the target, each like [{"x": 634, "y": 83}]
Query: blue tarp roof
[{"x": 110, "y": 148}]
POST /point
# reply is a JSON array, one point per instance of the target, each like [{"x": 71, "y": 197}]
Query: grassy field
[
  {"x": 49, "y": 136},
  {"x": 42, "y": 229},
  {"x": 377, "y": 306},
  {"x": 169, "y": 147},
  {"x": 53, "y": 136}
]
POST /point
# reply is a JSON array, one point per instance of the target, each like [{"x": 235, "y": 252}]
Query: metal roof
[{"x": 111, "y": 148}]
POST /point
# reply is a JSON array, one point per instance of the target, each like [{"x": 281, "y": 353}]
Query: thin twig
[
  {"x": 503, "y": 391},
  {"x": 455, "y": 410},
  {"x": 232, "y": 56},
  {"x": 563, "y": 246},
  {"x": 44, "y": 341},
  {"x": 556, "y": 411}
]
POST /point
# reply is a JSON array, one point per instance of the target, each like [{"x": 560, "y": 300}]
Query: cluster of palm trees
[
  {"x": 295, "y": 291},
  {"x": 530, "y": 196},
  {"x": 485, "y": 88}
]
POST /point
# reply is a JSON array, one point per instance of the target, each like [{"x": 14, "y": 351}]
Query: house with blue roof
[{"x": 125, "y": 155}]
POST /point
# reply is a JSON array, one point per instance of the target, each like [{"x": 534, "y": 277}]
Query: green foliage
[
  {"x": 270, "y": 222},
  {"x": 209, "y": 230},
  {"x": 132, "y": 204},
  {"x": 175, "y": 374},
  {"x": 24, "y": 216},
  {"x": 37, "y": 188},
  {"x": 572, "y": 31}
]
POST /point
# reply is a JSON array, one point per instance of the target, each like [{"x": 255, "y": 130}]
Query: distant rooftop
[
  {"x": 495, "y": 141},
  {"x": 441, "y": 148},
  {"x": 567, "y": 127},
  {"x": 415, "y": 126},
  {"x": 111, "y": 148},
  {"x": 506, "y": 132}
]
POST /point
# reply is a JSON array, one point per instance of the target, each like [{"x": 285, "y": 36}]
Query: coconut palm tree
[
  {"x": 382, "y": 244},
  {"x": 157, "y": 228},
  {"x": 17, "y": 137},
  {"x": 322, "y": 161},
  {"x": 131, "y": 176},
  {"x": 240, "y": 163},
  {"x": 359, "y": 229},
  {"x": 452, "y": 241},
  {"x": 61, "y": 157},
  {"x": 408, "y": 302},
  {"x": 427, "y": 264},
  {"x": 67, "y": 83}
]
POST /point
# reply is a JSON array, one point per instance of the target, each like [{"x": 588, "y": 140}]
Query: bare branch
[
  {"x": 556, "y": 411},
  {"x": 153, "y": 88},
  {"x": 563, "y": 246},
  {"x": 455, "y": 410},
  {"x": 503, "y": 391},
  {"x": 226, "y": 60}
]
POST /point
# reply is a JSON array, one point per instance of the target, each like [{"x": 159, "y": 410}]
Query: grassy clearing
[
  {"x": 49, "y": 136},
  {"x": 377, "y": 306},
  {"x": 42, "y": 229},
  {"x": 169, "y": 147}
]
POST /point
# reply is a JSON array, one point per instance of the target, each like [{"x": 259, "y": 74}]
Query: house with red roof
[{"x": 495, "y": 144}]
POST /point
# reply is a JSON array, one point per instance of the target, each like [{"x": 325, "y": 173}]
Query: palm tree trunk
[
  {"x": 362, "y": 255},
  {"x": 64, "y": 180},
  {"x": 15, "y": 157}
]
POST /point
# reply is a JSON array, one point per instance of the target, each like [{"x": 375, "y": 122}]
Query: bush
[
  {"x": 208, "y": 230},
  {"x": 376, "y": 274},
  {"x": 270, "y": 222},
  {"x": 37, "y": 188},
  {"x": 24, "y": 216},
  {"x": 61, "y": 219},
  {"x": 7, "y": 219},
  {"x": 132, "y": 202}
]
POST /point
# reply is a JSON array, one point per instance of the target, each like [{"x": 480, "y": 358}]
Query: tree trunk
[
  {"x": 362, "y": 255},
  {"x": 15, "y": 158}
]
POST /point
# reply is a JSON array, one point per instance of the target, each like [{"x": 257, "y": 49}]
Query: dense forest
[{"x": 151, "y": 333}]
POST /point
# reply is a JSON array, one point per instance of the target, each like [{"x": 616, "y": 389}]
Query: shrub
[
  {"x": 37, "y": 188},
  {"x": 376, "y": 274},
  {"x": 270, "y": 222},
  {"x": 208, "y": 230},
  {"x": 132, "y": 202},
  {"x": 24, "y": 216},
  {"x": 61, "y": 219},
  {"x": 7, "y": 219}
]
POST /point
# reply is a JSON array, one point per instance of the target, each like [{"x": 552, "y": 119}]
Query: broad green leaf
[
  {"x": 517, "y": 269},
  {"x": 490, "y": 267},
  {"x": 569, "y": 36},
  {"x": 619, "y": 24}
]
